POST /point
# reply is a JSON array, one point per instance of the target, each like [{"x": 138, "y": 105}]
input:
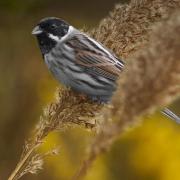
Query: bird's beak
[{"x": 37, "y": 30}]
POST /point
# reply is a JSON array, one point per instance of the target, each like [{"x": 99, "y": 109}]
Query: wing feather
[{"x": 94, "y": 57}]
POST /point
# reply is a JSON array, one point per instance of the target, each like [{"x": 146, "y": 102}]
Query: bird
[{"x": 79, "y": 61}]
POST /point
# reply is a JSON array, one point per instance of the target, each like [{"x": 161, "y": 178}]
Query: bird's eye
[{"x": 53, "y": 26}]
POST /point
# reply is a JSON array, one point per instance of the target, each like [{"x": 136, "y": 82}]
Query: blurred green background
[{"x": 148, "y": 152}]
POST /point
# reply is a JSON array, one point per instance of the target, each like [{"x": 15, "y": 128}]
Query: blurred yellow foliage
[
  {"x": 151, "y": 149},
  {"x": 158, "y": 148}
]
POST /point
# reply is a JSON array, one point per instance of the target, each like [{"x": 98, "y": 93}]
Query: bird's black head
[{"x": 49, "y": 31}]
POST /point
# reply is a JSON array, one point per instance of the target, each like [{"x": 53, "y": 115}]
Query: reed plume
[
  {"x": 127, "y": 27},
  {"x": 150, "y": 81},
  {"x": 69, "y": 109}
]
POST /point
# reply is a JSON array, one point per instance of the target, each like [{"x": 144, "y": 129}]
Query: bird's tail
[{"x": 171, "y": 115}]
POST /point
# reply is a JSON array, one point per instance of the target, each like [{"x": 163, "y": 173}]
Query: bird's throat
[{"x": 45, "y": 43}]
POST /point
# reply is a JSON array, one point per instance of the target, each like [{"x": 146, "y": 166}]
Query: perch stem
[{"x": 22, "y": 162}]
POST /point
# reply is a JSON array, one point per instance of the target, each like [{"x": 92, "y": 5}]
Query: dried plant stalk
[
  {"x": 128, "y": 26},
  {"x": 70, "y": 108},
  {"x": 151, "y": 80}
]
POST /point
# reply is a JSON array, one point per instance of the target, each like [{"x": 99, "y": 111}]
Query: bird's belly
[
  {"x": 80, "y": 81},
  {"x": 57, "y": 71}
]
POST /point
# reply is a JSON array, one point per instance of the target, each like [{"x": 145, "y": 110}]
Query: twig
[
  {"x": 70, "y": 109},
  {"x": 22, "y": 162}
]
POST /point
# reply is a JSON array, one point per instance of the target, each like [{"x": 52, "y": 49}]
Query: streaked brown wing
[{"x": 93, "y": 59}]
